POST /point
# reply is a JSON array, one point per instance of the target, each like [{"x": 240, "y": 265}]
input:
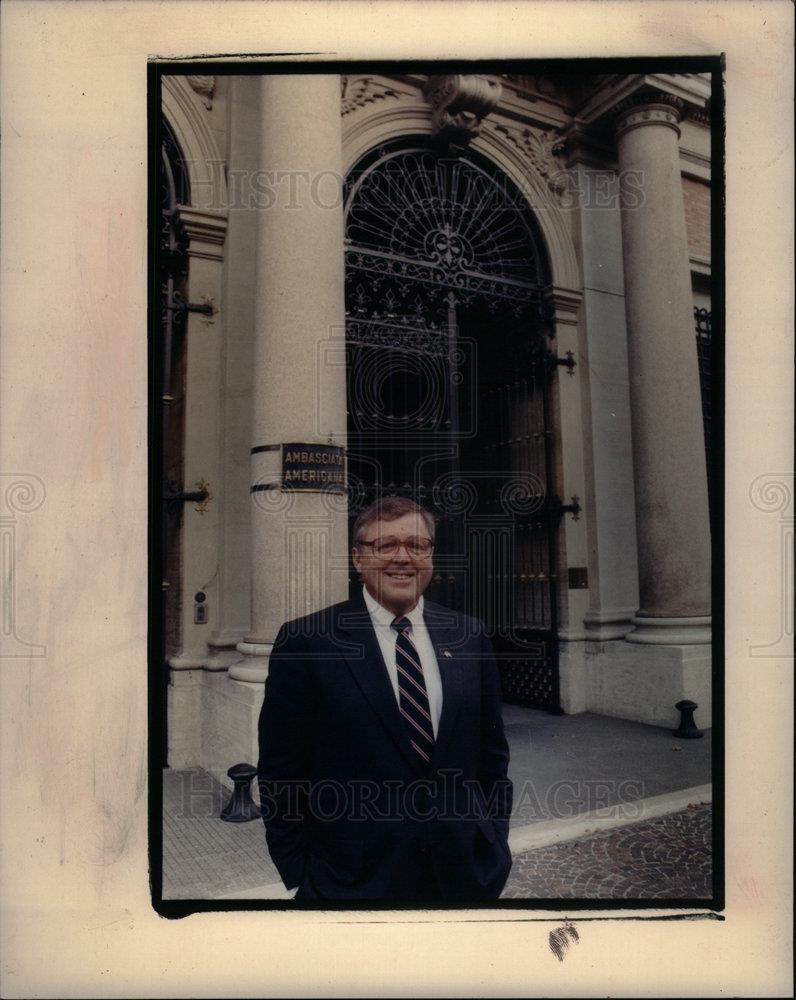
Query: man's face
[{"x": 396, "y": 581}]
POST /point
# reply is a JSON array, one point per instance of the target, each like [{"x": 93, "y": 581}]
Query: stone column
[
  {"x": 668, "y": 448},
  {"x": 609, "y": 506},
  {"x": 234, "y": 572},
  {"x": 299, "y": 540}
]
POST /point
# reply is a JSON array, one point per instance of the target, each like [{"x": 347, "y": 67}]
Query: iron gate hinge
[
  {"x": 199, "y": 496},
  {"x": 573, "y": 508},
  {"x": 195, "y": 496},
  {"x": 568, "y": 361},
  {"x": 204, "y": 308}
]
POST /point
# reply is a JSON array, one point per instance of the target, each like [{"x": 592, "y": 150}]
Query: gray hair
[{"x": 390, "y": 509}]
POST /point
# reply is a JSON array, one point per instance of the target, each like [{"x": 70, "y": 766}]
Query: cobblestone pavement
[{"x": 665, "y": 858}]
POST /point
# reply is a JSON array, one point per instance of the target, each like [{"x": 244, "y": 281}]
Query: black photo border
[{"x": 230, "y": 64}]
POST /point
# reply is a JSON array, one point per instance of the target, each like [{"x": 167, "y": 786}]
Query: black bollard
[
  {"x": 687, "y": 729},
  {"x": 241, "y": 807}
]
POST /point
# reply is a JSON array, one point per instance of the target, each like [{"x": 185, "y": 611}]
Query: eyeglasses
[{"x": 386, "y": 548}]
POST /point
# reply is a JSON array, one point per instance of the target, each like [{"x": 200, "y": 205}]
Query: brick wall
[{"x": 697, "y": 216}]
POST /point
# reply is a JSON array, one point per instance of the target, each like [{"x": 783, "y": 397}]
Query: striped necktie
[{"x": 412, "y": 694}]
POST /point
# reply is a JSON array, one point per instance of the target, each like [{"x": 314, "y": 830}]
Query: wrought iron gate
[{"x": 448, "y": 389}]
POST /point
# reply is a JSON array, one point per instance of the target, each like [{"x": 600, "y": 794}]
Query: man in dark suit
[{"x": 383, "y": 761}]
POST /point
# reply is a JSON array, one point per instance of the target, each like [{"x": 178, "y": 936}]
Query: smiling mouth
[{"x": 401, "y": 576}]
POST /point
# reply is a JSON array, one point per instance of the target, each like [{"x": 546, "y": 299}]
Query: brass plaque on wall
[{"x": 313, "y": 467}]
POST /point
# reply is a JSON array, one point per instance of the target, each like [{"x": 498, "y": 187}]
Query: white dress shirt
[{"x": 382, "y": 622}]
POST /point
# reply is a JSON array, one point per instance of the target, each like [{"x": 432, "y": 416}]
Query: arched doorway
[{"x": 448, "y": 388}]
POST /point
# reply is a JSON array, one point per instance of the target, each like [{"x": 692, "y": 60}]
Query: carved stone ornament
[
  {"x": 700, "y": 115},
  {"x": 460, "y": 104},
  {"x": 648, "y": 108},
  {"x": 204, "y": 86},
  {"x": 359, "y": 91},
  {"x": 543, "y": 150}
]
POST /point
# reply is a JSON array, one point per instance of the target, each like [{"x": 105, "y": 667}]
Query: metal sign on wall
[{"x": 313, "y": 467}]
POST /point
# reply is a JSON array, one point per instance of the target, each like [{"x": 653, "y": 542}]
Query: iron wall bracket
[{"x": 568, "y": 361}]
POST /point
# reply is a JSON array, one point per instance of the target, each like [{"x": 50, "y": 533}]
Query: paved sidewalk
[
  {"x": 564, "y": 765},
  {"x": 665, "y": 858},
  {"x": 204, "y": 857},
  {"x": 573, "y": 775}
]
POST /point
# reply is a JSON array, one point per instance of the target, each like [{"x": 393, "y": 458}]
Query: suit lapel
[
  {"x": 446, "y": 639},
  {"x": 363, "y": 656}
]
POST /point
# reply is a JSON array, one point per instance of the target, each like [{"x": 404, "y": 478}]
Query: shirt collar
[{"x": 381, "y": 616}]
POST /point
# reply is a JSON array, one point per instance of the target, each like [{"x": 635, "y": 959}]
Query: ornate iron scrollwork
[
  {"x": 447, "y": 330},
  {"x": 422, "y": 227}
]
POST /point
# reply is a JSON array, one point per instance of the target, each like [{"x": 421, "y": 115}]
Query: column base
[
  {"x": 184, "y": 708},
  {"x": 214, "y": 659},
  {"x": 230, "y": 714},
  {"x": 573, "y": 688},
  {"x": 186, "y": 661},
  {"x": 609, "y": 623},
  {"x": 644, "y": 682},
  {"x": 222, "y": 650},
  {"x": 253, "y": 667},
  {"x": 212, "y": 722},
  {"x": 221, "y": 659},
  {"x": 693, "y": 631}
]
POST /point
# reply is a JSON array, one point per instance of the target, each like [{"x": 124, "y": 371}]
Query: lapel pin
[{"x": 447, "y": 652}]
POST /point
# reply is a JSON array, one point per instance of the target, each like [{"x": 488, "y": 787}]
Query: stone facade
[{"x": 616, "y": 171}]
